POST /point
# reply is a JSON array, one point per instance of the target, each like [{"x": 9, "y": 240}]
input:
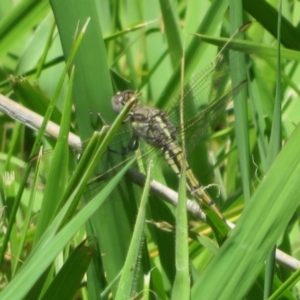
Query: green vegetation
[{"x": 64, "y": 60}]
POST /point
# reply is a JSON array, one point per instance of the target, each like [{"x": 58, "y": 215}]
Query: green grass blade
[
  {"x": 74, "y": 268},
  {"x": 252, "y": 47},
  {"x": 58, "y": 173},
  {"x": 131, "y": 266},
  {"x": 267, "y": 15},
  {"x": 238, "y": 74},
  {"x": 257, "y": 231},
  {"x": 93, "y": 88},
  {"x": 286, "y": 286},
  {"x": 273, "y": 151},
  {"x": 181, "y": 287},
  {"x": 194, "y": 52},
  {"x": 19, "y": 22},
  {"x": 28, "y": 216},
  {"x": 259, "y": 120},
  {"x": 140, "y": 41},
  {"x": 172, "y": 32},
  {"x": 49, "y": 248}
]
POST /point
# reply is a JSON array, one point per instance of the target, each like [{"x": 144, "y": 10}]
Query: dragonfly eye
[{"x": 119, "y": 100}]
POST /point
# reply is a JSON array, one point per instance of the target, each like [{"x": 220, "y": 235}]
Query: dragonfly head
[{"x": 119, "y": 100}]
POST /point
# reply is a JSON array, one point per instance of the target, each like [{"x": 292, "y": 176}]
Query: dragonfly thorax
[
  {"x": 149, "y": 123},
  {"x": 153, "y": 126}
]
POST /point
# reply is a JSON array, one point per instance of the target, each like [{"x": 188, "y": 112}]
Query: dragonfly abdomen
[
  {"x": 154, "y": 127},
  {"x": 175, "y": 158}
]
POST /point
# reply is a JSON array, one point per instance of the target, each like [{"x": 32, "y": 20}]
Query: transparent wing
[{"x": 205, "y": 99}]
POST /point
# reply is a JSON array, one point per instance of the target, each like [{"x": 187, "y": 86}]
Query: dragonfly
[
  {"x": 161, "y": 130},
  {"x": 154, "y": 127},
  {"x": 158, "y": 129}
]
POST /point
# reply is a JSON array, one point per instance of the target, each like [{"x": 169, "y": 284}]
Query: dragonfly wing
[{"x": 205, "y": 99}]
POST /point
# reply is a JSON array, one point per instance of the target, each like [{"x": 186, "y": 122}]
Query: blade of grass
[
  {"x": 19, "y": 21},
  {"x": 56, "y": 182},
  {"x": 37, "y": 142},
  {"x": 273, "y": 151},
  {"x": 126, "y": 284},
  {"x": 42, "y": 61},
  {"x": 181, "y": 287},
  {"x": 286, "y": 286},
  {"x": 259, "y": 120},
  {"x": 242, "y": 255},
  {"x": 28, "y": 216},
  {"x": 93, "y": 87},
  {"x": 75, "y": 267},
  {"x": 194, "y": 52},
  {"x": 77, "y": 191},
  {"x": 50, "y": 247},
  {"x": 238, "y": 74},
  {"x": 92, "y": 93},
  {"x": 267, "y": 15},
  {"x": 58, "y": 173},
  {"x": 172, "y": 32}
]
